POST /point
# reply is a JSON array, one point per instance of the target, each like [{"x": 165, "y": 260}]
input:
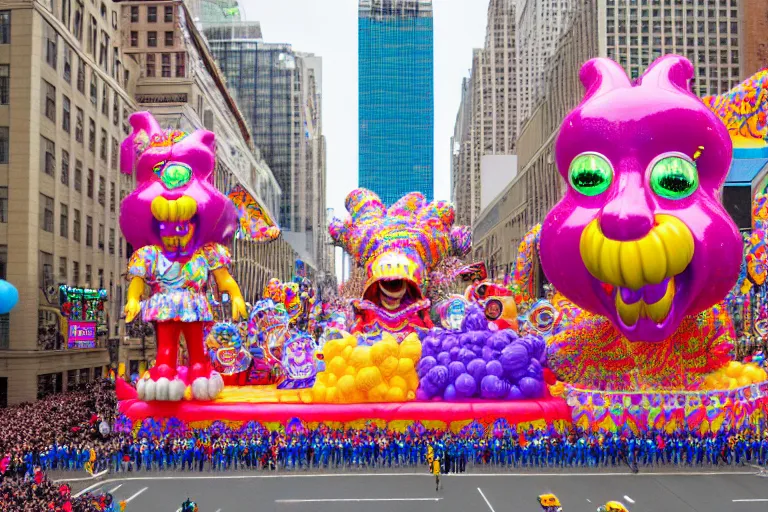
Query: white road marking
[
  {"x": 490, "y": 507},
  {"x": 115, "y": 488},
  {"x": 589, "y": 501},
  {"x": 628, "y": 499},
  {"x": 135, "y": 495},
  {"x": 218, "y": 510},
  {"x": 93, "y": 477},
  {"x": 355, "y": 500},
  {"x": 750, "y": 501}
]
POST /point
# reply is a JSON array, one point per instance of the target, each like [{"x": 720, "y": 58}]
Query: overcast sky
[{"x": 328, "y": 28}]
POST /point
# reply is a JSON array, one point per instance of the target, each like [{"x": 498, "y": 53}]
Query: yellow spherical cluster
[
  {"x": 735, "y": 375},
  {"x": 382, "y": 372}
]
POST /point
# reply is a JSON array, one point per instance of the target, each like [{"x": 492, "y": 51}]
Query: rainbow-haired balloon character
[
  {"x": 180, "y": 224},
  {"x": 398, "y": 247}
]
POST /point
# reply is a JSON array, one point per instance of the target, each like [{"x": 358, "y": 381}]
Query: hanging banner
[{"x": 81, "y": 334}]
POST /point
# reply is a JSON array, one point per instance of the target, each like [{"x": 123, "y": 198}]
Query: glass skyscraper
[{"x": 396, "y": 110}]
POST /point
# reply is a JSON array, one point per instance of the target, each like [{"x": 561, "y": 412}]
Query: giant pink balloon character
[
  {"x": 179, "y": 224},
  {"x": 640, "y": 236}
]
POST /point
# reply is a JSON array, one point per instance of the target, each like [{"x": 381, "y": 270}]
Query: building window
[
  {"x": 76, "y": 229},
  {"x": 150, "y": 65},
  {"x": 115, "y": 109},
  {"x": 51, "y": 45},
  {"x": 94, "y": 88},
  {"x": 91, "y": 135},
  {"x": 134, "y": 38},
  {"x": 166, "y": 59},
  {"x": 114, "y": 154},
  {"x": 64, "y": 221},
  {"x": 168, "y": 14},
  {"x": 78, "y": 175},
  {"x": 48, "y": 157},
  {"x": 152, "y": 14},
  {"x": 88, "y": 237},
  {"x": 81, "y": 75},
  {"x": 169, "y": 38},
  {"x": 3, "y": 205},
  {"x": 46, "y": 270},
  {"x": 46, "y": 213},
  {"x": 152, "y": 39},
  {"x": 103, "y": 145},
  {"x": 5, "y": 83},
  {"x": 134, "y": 14},
  {"x": 50, "y": 101},
  {"x": 4, "y": 144},
  {"x": 79, "y": 119},
  {"x": 88, "y": 275},
  {"x": 89, "y": 184},
  {"x": 65, "y": 168},
  {"x": 111, "y": 241},
  {"x": 77, "y": 26},
  {"x": 66, "y": 114},
  {"x": 101, "y": 237},
  {"x": 75, "y": 272},
  {"x": 105, "y": 99},
  {"x": 3, "y": 261},
  {"x": 5, "y": 27},
  {"x": 102, "y": 190},
  {"x": 181, "y": 70},
  {"x": 112, "y": 196},
  {"x": 63, "y": 269}
]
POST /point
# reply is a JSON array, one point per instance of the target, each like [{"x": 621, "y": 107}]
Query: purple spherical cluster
[{"x": 479, "y": 363}]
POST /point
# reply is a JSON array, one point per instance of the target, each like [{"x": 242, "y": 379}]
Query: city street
[{"x": 578, "y": 492}]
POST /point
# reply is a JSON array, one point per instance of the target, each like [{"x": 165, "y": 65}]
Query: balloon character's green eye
[
  {"x": 176, "y": 175},
  {"x": 590, "y": 174},
  {"x": 674, "y": 177}
]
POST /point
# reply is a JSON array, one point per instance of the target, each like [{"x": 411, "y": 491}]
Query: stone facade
[{"x": 755, "y": 35}]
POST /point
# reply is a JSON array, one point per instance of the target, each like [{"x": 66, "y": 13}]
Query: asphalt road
[{"x": 578, "y": 492}]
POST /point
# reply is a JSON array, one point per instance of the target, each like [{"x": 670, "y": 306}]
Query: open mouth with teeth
[
  {"x": 392, "y": 293},
  {"x": 640, "y": 280},
  {"x": 175, "y": 222}
]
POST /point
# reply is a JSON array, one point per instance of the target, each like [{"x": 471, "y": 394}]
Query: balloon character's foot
[
  {"x": 161, "y": 389},
  {"x": 206, "y": 388}
]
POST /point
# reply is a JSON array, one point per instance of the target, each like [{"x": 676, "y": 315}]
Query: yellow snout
[
  {"x": 663, "y": 253},
  {"x": 173, "y": 210}
]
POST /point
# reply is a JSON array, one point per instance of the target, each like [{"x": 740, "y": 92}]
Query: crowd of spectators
[
  {"x": 62, "y": 433},
  {"x": 70, "y": 419}
]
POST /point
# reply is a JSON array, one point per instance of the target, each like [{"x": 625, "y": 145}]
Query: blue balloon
[{"x": 9, "y": 297}]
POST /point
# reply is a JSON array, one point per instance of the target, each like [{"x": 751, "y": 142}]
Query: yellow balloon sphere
[
  {"x": 332, "y": 349},
  {"x": 337, "y": 365},
  {"x": 743, "y": 380},
  {"x": 395, "y": 395},
  {"x": 331, "y": 379},
  {"x": 360, "y": 357},
  {"x": 410, "y": 396},
  {"x": 368, "y": 378},
  {"x": 411, "y": 350},
  {"x": 388, "y": 366},
  {"x": 332, "y": 395},
  {"x": 405, "y": 366},
  {"x": 380, "y": 392},
  {"x": 347, "y": 352},
  {"x": 350, "y": 371},
  {"x": 398, "y": 382},
  {"x": 346, "y": 385},
  {"x": 413, "y": 381}
]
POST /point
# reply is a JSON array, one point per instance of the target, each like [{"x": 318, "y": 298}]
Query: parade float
[{"x": 635, "y": 330}]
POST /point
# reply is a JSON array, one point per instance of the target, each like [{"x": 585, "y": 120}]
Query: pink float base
[{"x": 548, "y": 409}]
